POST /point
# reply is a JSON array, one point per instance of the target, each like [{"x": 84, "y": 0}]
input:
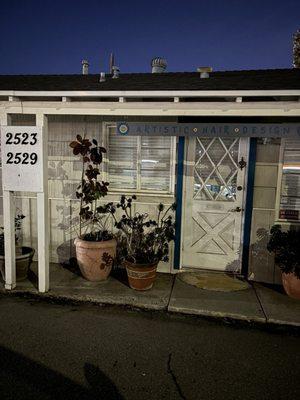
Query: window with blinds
[
  {"x": 142, "y": 163},
  {"x": 289, "y": 208}
]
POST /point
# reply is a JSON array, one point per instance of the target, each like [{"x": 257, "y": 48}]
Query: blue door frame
[
  {"x": 248, "y": 204},
  {"x": 179, "y": 192}
]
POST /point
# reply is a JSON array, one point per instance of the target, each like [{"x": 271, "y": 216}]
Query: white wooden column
[
  {"x": 9, "y": 228},
  {"x": 43, "y": 214}
]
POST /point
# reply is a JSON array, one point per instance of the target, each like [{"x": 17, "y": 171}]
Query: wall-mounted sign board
[
  {"x": 289, "y": 214},
  {"x": 22, "y": 158},
  {"x": 209, "y": 129}
]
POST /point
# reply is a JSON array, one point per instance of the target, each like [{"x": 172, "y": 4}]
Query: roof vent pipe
[
  {"x": 102, "y": 77},
  {"x": 115, "y": 72},
  {"x": 85, "y": 67},
  {"x": 204, "y": 72},
  {"x": 158, "y": 65},
  {"x": 296, "y": 49}
]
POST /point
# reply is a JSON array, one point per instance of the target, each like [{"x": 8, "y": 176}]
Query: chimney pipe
[
  {"x": 296, "y": 49},
  {"x": 204, "y": 72},
  {"x": 85, "y": 67},
  {"x": 102, "y": 77},
  {"x": 111, "y": 62},
  {"x": 158, "y": 65},
  {"x": 115, "y": 72}
]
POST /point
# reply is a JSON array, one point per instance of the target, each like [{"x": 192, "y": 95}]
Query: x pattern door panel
[{"x": 213, "y": 189}]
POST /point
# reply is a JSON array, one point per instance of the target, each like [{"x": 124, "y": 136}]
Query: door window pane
[{"x": 215, "y": 171}]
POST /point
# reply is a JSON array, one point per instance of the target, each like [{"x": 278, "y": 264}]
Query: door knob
[
  {"x": 237, "y": 209},
  {"x": 242, "y": 163}
]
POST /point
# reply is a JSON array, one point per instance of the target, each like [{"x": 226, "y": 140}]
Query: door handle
[
  {"x": 242, "y": 163},
  {"x": 237, "y": 209}
]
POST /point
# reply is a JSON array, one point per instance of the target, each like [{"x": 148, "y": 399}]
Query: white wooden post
[
  {"x": 42, "y": 214},
  {"x": 9, "y": 228}
]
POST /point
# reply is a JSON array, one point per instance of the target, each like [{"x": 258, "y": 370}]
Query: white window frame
[
  {"x": 105, "y": 129},
  {"x": 278, "y": 189}
]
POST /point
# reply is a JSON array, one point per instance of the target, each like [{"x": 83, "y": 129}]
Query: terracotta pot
[
  {"x": 23, "y": 260},
  {"x": 140, "y": 276},
  {"x": 291, "y": 285},
  {"x": 95, "y": 259}
]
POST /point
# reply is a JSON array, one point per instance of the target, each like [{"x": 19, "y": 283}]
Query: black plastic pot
[{"x": 23, "y": 262}]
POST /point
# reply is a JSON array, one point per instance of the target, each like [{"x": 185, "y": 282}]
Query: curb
[{"x": 231, "y": 320}]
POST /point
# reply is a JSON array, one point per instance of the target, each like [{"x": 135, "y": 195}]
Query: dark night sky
[{"x": 50, "y": 36}]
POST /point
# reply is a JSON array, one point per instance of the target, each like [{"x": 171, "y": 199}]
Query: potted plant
[
  {"x": 145, "y": 241},
  {"x": 24, "y": 254},
  {"x": 286, "y": 247},
  {"x": 95, "y": 245}
]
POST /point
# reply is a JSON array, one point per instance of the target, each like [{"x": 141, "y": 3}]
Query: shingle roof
[{"x": 276, "y": 79}]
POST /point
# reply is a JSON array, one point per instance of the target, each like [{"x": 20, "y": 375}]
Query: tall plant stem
[{"x": 80, "y": 217}]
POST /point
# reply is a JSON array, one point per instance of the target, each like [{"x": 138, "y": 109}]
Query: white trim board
[
  {"x": 153, "y": 108},
  {"x": 149, "y": 93}
]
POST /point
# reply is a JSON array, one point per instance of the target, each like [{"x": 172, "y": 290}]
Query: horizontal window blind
[
  {"x": 139, "y": 163},
  {"x": 122, "y": 161},
  {"x": 290, "y": 182}
]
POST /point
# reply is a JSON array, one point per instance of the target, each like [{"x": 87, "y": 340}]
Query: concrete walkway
[{"x": 257, "y": 303}]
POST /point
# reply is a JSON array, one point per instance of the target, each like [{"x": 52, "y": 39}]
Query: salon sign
[
  {"x": 209, "y": 129},
  {"x": 22, "y": 158}
]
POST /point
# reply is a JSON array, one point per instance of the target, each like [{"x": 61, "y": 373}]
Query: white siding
[{"x": 64, "y": 175}]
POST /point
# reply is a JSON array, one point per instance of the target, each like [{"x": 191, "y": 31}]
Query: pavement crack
[
  {"x": 171, "y": 291},
  {"x": 170, "y": 371},
  {"x": 260, "y": 303}
]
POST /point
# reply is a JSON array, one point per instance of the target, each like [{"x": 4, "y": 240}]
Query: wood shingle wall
[{"x": 261, "y": 262}]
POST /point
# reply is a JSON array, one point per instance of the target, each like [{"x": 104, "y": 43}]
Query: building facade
[{"x": 230, "y": 187}]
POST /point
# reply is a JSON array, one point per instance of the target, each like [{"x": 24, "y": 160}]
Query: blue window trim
[
  {"x": 249, "y": 206},
  {"x": 179, "y": 192}
]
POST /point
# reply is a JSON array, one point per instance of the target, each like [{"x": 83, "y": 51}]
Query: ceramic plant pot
[
  {"x": 23, "y": 261},
  {"x": 291, "y": 285},
  {"x": 95, "y": 259},
  {"x": 140, "y": 276}
]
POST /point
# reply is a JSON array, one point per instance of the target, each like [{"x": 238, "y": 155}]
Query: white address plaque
[{"x": 22, "y": 158}]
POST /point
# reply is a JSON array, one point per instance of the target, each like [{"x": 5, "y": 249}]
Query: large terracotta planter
[
  {"x": 23, "y": 260},
  {"x": 95, "y": 259},
  {"x": 140, "y": 276},
  {"x": 291, "y": 285}
]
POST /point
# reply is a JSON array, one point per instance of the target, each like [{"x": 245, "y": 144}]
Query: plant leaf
[{"x": 73, "y": 144}]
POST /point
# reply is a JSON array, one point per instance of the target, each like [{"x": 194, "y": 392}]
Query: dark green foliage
[
  {"x": 98, "y": 236},
  {"x": 18, "y": 226},
  {"x": 286, "y": 247},
  {"x": 143, "y": 240},
  {"x": 91, "y": 189}
]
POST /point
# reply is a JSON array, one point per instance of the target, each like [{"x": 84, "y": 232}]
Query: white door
[{"x": 213, "y": 203}]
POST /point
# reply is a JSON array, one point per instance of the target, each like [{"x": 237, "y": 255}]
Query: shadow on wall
[
  {"x": 23, "y": 378},
  {"x": 234, "y": 267},
  {"x": 261, "y": 260},
  {"x": 67, "y": 256}
]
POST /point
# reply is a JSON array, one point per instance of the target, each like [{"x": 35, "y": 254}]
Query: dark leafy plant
[
  {"x": 286, "y": 247},
  {"x": 144, "y": 240},
  {"x": 18, "y": 226},
  {"x": 90, "y": 190}
]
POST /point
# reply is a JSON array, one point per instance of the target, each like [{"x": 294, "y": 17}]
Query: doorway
[{"x": 214, "y": 191}]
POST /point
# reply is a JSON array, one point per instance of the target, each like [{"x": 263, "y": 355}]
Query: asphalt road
[{"x": 50, "y": 351}]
